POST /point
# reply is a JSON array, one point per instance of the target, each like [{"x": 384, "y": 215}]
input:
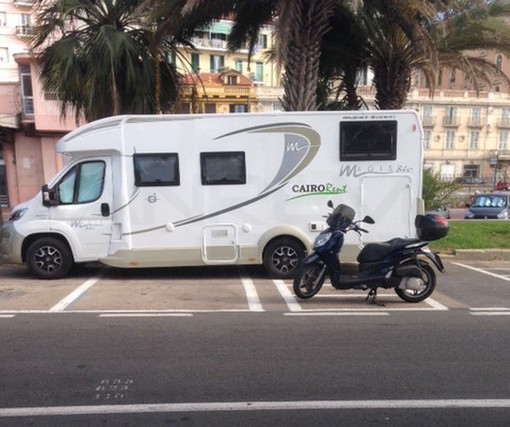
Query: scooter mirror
[
  {"x": 330, "y": 204},
  {"x": 368, "y": 220}
]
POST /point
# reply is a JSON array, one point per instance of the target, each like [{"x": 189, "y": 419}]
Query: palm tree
[
  {"x": 464, "y": 32},
  {"x": 98, "y": 58},
  {"x": 299, "y": 28}
]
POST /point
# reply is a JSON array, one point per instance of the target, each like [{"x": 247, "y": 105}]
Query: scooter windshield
[{"x": 341, "y": 217}]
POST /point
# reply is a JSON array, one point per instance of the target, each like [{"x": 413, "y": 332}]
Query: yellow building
[{"x": 219, "y": 81}]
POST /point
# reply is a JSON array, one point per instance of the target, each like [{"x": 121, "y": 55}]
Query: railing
[
  {"x": 4, "y": 200},
  {"x": 450, "y": 121},
  {"x": 428, "y": 121},
  {"x": 504, "y": 122},
  {"x": 24, "y": 3},
  {"x": 24, "y": 30}
]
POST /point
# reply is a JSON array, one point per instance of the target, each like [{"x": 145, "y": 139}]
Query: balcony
[
  {"x": 428, "y": 121},
  {"x": 504, "y": 123},
  {"x": 450, "y": 122},
  {"x": 24, "y": 3},
  {"x": 23, "y": 31},
  {"x": 475, "y": 122}
]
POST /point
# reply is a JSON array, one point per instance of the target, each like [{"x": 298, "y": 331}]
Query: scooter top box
[{"x": 431, "y": 227}]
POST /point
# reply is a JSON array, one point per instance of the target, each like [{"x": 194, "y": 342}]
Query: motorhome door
[
  {"x": 220, "y": 244},
  {"x": 83, "y": 213}
]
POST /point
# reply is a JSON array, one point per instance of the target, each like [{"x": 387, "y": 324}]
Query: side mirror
[
  {"x": 330, "y": 204},
  {"x": 49, "y": 196},
  {"x": 368, "y": 220}
]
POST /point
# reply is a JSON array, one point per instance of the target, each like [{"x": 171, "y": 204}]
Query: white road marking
[
  {"x": 287, "y": 296},
  {"x": 251, "y": 293},
  {"x": 146, "y": 315},
  {"x": 338, "y": 313},
  {"x": 490, "y": 311},
  {"x": 77, "y": 293},
  {"x": 6, "y": 316},
  {"x": 436, "y": 305},
  {"x": 253, "y": 406},
  {"x": 483, "y": 271}
]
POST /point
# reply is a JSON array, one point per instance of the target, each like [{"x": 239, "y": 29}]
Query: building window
[
  {"x": 3, "y": 19},
  {"x": 499, "y": 62},
  {"x": 238, "y": 65},
  {"x": 449, "y": 142},
  {"x": 427, "y": 114},
  {"x": 505, "y": 116},
  {"x": 263, "y": 41},
  {"x": 217, "y": 62},
  {"x": 450, "y": 116},
  {"x": 238, "y": 108},
  {"x": 210, "y": 108},
  {"x": 474, "y": 139},
  {"x": 4, "y": 55},
  {"x": 472, "y": 171},
  {"x": 502, "y": 139},
  {"x": 426, "y": 138},
  {"x": 195, "y": 61},
  {"x": 231, "y": 80},
  {"x": 476, "y": 116},
  {"x": 259, "y": 72},
  {"x": 26, "y": 90}
]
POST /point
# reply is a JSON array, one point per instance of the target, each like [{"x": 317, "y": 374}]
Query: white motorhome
[{"x": 189, "y": 190}]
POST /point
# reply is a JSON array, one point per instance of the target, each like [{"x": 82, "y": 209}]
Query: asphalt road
[{"x": 222, "y": 347}]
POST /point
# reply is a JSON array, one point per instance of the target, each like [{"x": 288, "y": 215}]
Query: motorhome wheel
[
  {"x": 49, "y": 258},
  {"x": 282, "y": 256}
]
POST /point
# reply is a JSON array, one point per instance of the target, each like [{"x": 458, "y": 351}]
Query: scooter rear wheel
[
  {"x": 428, "y": 278},
  {"x": 309, "y": 280}
]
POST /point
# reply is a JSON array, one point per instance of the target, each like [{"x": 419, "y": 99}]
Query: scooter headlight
[{"x": 322, "y": 239}]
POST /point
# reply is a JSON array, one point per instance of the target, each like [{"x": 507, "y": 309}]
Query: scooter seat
[{"x": 376, "y": 251}]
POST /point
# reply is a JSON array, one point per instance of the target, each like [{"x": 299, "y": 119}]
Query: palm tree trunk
[
  {"x": 302, "y": 55},
  {"x": 157, "y": 81}
]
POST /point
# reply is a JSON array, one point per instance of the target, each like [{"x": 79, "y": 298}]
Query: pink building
[{"x": 30, "y": 124}]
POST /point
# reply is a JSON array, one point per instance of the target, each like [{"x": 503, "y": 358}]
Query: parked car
[
  {"x": 502, "y": 186},
  {"x": 489, "y": 206}
]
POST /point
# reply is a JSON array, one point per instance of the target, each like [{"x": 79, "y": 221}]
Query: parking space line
[
  {"x": 6, "y": 316},
  {"x": 77, "y": 293},
  {"x": 287, "y": 296},
  {"x": 483, "y": 271},
  {"x": 251, "y": 293}
]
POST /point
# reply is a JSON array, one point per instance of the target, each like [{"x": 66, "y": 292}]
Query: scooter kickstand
[{"x": 373, "y": 294}]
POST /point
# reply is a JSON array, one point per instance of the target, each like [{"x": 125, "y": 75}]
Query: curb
[{"x": 483, "y": 254}]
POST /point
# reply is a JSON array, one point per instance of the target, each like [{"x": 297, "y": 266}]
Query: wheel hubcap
[
  {"x": 285, "y": 259},
  {"x": 48, "y": 258}
]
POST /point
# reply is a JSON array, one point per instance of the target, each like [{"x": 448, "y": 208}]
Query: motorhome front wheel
[{"x": 49, "y": 258}]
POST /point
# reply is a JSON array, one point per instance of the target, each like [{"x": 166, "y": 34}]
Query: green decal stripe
[{"x": 325, "y": 193}]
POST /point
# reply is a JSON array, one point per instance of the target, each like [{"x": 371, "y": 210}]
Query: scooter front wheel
[{"x": 309, "y": 280}]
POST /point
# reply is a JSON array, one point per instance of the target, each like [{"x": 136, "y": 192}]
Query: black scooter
[{"x": 398, "y": 263}]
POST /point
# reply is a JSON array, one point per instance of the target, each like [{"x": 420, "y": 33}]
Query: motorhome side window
[
  {"x": 156, "y": 169},
  {"x": 82, "y": 184},
  {"x": 374, "y": 140},
  {"x": 223, "y": 168}
]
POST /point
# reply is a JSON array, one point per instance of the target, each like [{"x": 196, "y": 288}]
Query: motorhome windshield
[{"x": 489, "y": 201}]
